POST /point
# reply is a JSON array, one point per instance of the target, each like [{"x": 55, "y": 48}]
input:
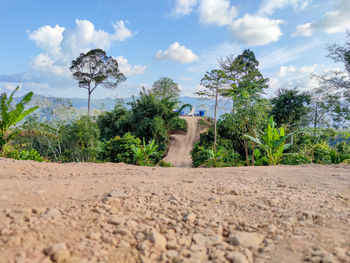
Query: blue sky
[{"x": 180, "y": 39}]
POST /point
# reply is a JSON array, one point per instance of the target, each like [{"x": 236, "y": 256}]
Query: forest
[{"x": 294, "y": 127}]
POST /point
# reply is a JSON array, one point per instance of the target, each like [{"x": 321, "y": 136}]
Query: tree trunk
[
  {"x": 253, "y": 156},
  {"x": 315, "y": 121},
  {"x": 89, "y": 96},
  {"x": 245, "y": 143},
  {"x": 215, "y": 112}
]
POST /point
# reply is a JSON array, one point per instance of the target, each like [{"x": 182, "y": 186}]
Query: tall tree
[
  {"x": 165, "y": 87},
  {"x": 95, "y": 68},
  {"x": 245, "y": 86},
  {"x": 213, "y": 83},
  {"x": 290, "y": 107}
]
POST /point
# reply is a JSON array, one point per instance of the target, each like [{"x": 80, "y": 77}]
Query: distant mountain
[{"x": 79, "y": 105}]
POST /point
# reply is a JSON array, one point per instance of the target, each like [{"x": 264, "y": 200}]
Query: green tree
[
  {"x": 245, "y": 86},
  {"x": 95, "y": 68},
  {"x": 213, "y": 83},
  {"x": 165, "y": 87},
  {"x": 290, "y": 107},
  {"x": 10, "y": 117}
]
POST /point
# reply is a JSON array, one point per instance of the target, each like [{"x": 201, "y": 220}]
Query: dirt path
[
  {"x": 86, "y": 213},
  {"x": 182, "y": 144}
]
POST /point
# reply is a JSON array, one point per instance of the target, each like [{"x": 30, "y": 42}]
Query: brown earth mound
[{"x": 87, "y": 212}]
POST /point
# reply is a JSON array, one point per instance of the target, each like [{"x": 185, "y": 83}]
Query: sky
[{"x": 180, "y": 39}]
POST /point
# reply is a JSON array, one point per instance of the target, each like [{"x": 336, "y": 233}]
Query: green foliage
[
  {"x": 273, "y": 142},
  {"x": 165, "y": 88},
  {"x": 290, "y": 108},
  {"x": 11, "y": 116},
  {"x": 120, "y": 149},
  {"x": 296, "y": 159},
  {"x": 321, "y": 153},
  {"x": 143, "y": 154},
  {"x": 30, "y": 155},
  {"x": 199, "y": 155},
  {"x": 164, "y": 164},
  {"x": 114, "y": 123},
  {"x": 80, "y": 141},
  {"x": 177, "y": 124},
  {"x": 95, "y": 68}
]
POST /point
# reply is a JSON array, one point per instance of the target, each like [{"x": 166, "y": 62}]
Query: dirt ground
[
  {"x": 86, "y": 212},
  {"x": 182, "y": 144}
]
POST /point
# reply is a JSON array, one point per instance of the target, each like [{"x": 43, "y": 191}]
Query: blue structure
[{"x": 201, "y": 113}]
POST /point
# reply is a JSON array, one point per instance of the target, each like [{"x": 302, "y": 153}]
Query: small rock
[
  {"x": 117, "y": 194},
  {"x": 61, "y": 255},
  {"x": 13, "y": 241},
  {"x": 171, "y": 244},
  {"x": 158, "y": 239},
  {"x": 172, "y": 254},
  {"x": 245, "y": 239},
  {"x": 329, "y": 258},
  {"x": 236, "y": 257},
  {"x": 123, "y": 244},
  {"x": 116, "y": 220},
  {"x": 190, "y": 217},
  {"x": 52, "y": 213},
  {"x": 340, "y": 253},
  {"x": 200, "y": 240},
  {"x": 94, "y": 236}
]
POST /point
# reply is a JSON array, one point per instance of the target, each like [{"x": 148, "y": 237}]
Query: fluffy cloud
[
  {"x": 217, "y": 12},
  {"x": 184, "y": 7},
  {"x": 334, "y": 21},
  {"x": 177, "y": 53},
  {"x": 269, "y": 6},
  {"x": 301, "y": 77},
  {"x": 256, "y": 30},
  {"x": 60, "y": 45},
  {"x": 283, "y": 55},
  {"x": 129, "y": 70}
]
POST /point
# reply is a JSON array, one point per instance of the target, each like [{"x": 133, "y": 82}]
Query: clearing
[{"x": 85, "y": 212}]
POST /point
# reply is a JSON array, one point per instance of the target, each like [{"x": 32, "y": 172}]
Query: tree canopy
[
  {"x": 165, "y": 87},
  {"x": 95, "y": 68}
]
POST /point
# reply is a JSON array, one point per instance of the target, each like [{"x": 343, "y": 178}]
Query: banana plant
[
  {"x": 10, "y": 116},
  {"x": 143, "y": 153},
  {"x": 273, "y": 142}
]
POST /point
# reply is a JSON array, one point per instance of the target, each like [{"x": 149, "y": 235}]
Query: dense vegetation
[{"x": 292, "y": 128}]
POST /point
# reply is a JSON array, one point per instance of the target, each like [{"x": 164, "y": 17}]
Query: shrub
[
  {"x": 164, "y": 164},
  {"x": 119, "y": 149},
  {"x": 31, "y": 155},
  {"x": 321, "y": 153},
  {"x": 199, "y": 155},
  {"x": 177, "y": 124},
  {"x": 296, "y": 159},
  {"x": 143, "y": 154}
]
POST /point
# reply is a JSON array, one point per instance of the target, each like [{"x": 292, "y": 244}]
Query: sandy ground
[
  {"x": 87, "y": 212},
  {"x": 182, "y": 144}
]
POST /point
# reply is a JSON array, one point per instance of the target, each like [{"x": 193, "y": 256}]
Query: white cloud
[
  {"x": 129, "y": 70},
  {"x": 283, "y": 55},
  {"x": 301, "y": 77},
  {"x": 268, "y": 7},
  {"x": 218, "y": 12},
  {"x": 177, "y": 53},
  {"x": 283, "y": 71},
  {"x": 61, "y": 45},
  {"x": 184, "y": 7},
  {"x": 256, "y": 30},
  {"x": 334, "y": 21}
]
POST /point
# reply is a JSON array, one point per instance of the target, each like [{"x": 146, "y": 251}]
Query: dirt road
[
  {"x": 182, "y": 144},
  {"x": 87, "y": 212}
]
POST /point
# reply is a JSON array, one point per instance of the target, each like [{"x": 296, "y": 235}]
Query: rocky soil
[{"x": 120, "y": 213}]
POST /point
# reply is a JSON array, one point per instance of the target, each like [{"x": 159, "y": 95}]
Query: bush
[
  {"x": 31, "y": 155},
  {"x": 119, "y": 149},
  {"x": 321, "y": 153},
  {"x": 164, "y": 164},
  {"x": 199, "y": 155},
  {"x": 296, "y": 159},
  {"x": 177, "y": 124}
]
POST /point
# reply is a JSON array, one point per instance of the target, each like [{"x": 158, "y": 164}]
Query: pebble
[
  {"x": 245, "y": 239},
  {"x": 52, "y": 213},
  {"x": 158, "y": 240},
  {"x": 236, "y": 257}
]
